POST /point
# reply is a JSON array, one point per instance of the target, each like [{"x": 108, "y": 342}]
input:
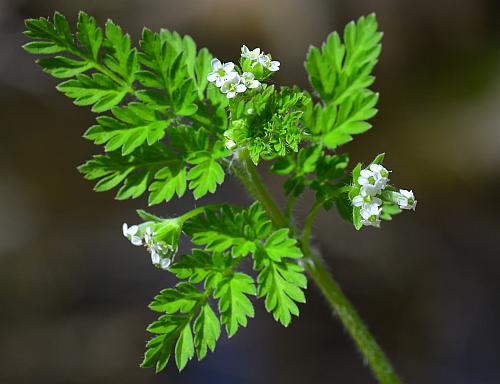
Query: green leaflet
[
  {"x": 158, "y": 349},
  {"x": 279, "y": 245},
  {"x": 231, "y": 289},
  {"x": 108, "y": 54},
  {"x": 204, "y": 267},
  {"x": 336, "y": 71},
  {"x": 281, "y": 283},
  {"x": 135, "y": 170},
  {"x": 170, "y": 181},
  {"x": 181, "y": 306},
  {"x": 185, "y": 303},
  {"x": 341, "y": 74},
  {"x": 170, "y": 61},
  {"x": 89, "y": 35},
  {"x": 96, "y": 90},
  {"x": 230, "y": 228},
  {"x": 130, "y": 127},
  {"x": 119, "y": 55},
  {"x": 280, "y": 280},
  {"x": 234, "y": 305},
  {"x": 207, "y": 331},
  {"x": 160, "y": 169},
  {"x": 206, "y": 172}
]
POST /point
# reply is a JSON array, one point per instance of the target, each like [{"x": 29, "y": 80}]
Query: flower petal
[
  {"x": 255, "y": 84},
  {"x": 136, "y": 240},
  {"x": 216, "y": 64},
  {"x": 228, "y": 67},
  {"x": 366, "y": 173},
  {"x": 357, "y": 201},
  {"x": 212, "y": 76},
  {"x": 133, "y": 230},
  {"x": 165, "y": 263}
]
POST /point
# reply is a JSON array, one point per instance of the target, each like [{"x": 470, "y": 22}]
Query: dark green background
[{"x": 73, "y": 291}]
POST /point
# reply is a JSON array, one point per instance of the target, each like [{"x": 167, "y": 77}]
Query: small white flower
[
  {"x": 232, "y": 86},
  {"x": 165, "y": 263},
  {"x": 248, "y": 78},
  {"x": 253, "y": 54},
  {"x": 381, "y": 174},
  {"x": 266, "y": 62},
  {"x": 367, "y": 179},
  {"x": 365, "y": 198},
  {"x": 406, "y": 199},
  {"x": 220, "y": 72},
  {"x": 130, "y": 233},
  {"x": 370, "y": 215}
]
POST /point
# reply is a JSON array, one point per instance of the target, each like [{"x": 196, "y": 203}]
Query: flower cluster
[
  {"x": 405, "y": 199},
  {"x": 372, "y": 182},
  {"x": 232, "y": 80},
  {"x": 258, "y": 57},
  {"x": 160, "y": 252}
]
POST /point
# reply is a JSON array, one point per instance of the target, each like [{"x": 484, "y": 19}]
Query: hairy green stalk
[{"x": 315, "y": 266}]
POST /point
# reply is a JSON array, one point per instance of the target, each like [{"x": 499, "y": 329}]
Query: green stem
[
  {"x": 198, "y": 211},
  {"x": 289, "y": 207},
  {"x": 253, "y": 183},
  {"x": 371, "y": 351},
  {"x": 306, "y": 234}
]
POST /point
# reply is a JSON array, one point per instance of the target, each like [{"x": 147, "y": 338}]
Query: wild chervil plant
[{"x": 172, "y": 118}]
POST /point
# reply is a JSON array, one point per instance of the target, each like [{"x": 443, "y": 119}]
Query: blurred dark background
[{"x": 73, "y": 291}]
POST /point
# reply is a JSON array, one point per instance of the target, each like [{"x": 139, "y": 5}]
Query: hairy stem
[
  {"x": 289, "y": 207},
  {"x": 369, "y": 348}
]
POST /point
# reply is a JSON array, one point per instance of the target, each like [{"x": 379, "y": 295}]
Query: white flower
[
  {"x": 130, "y": 233},
  {"x": 406, "y": 199},
  {"x": 253, "y": 54},
  {"x": 371, "y": 215},
  {"x": 266, "y": 62},
  {"x": 381, "y": 174},
  {"x": 220, "y": 72},
  {"x": 248, "y": 78},
  {"x": 364, "y": 198},
  {"x": 368, "y": 181},
  {"x": 232, "y": 86}
]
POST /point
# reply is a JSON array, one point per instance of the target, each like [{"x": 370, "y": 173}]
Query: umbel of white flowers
[
  {"x": 159, "y": 252},
  {"x": 231, "y": 80},
  {"x": 373, "y": 181}
]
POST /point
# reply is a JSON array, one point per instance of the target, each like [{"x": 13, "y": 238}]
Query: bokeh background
[{"x": 73, "y": 292}]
